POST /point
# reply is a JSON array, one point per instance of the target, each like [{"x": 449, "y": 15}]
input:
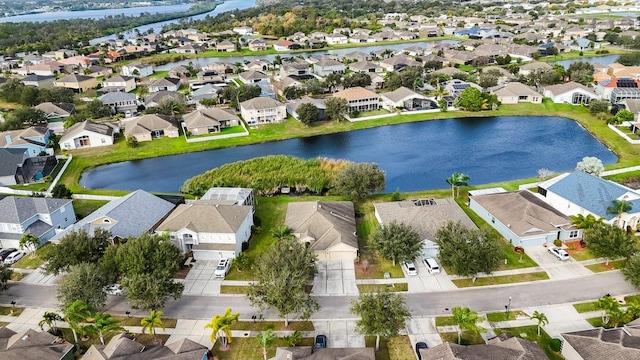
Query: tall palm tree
[
  {"x": 585, "y": 222},
  {"x": 76, "y": 313},
  {"x": 466, "y": 319},
  {"x": 104, "y": 323},
  {"x": 265, "y": 340},
  {"x": 619, "y": 207},
  {"x": 220, "y": 326},
  {"x": 456, "y": 181},
  {"x": 151, "y": 322},
  {"x": 50, "y": 318},
  {"x": 542, "y": 319}
]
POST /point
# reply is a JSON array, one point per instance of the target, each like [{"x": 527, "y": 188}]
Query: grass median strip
[
  {"x": 586, "y": 306},
  {"x": 383, "y": 287},
  {"x": 274, "y": 325},
  {"x": 505, "y": 279},
  {"x": 502, "y": 316},
  {"x": 445, "y": 321},
  {"x": 135, "y": 321},
  {"x": 234, "y": 289},
  {"x": 601, "y": 267}
]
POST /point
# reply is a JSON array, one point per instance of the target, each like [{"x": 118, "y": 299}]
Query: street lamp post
[{"x": 508, "y": 308}]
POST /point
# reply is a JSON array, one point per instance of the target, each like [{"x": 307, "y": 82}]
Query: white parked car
[
  {"x": 411, "y": 268},
  {"x": 114, "y": 289},
  {"x": 222, "y": 269},
  {"x": 14, "y": 257},
  {"x": 559, "y": 253}
]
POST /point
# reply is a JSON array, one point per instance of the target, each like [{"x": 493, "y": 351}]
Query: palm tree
[
  {"x": 456, "y": 181},
  {"x": 619, "y": 207},
  {"x": 151, "y": 322},
  {"x": 50, "y": 318},
  {"x": 439, "y": 92},
  {"x": 612, "y": 315},
  {"x": 585, "y": 222},
  {"x": 104, "y": 323},
  {"x": 542, "y": 319},
  {"x": 265, "y": 340},
  {"x": 282, "y": 232},
  {"x": 220, "y": 326},
  {"x": 76, "y": 313},
  {"x": 466, "y": 319}
]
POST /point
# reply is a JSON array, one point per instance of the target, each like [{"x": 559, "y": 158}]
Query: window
[{"x": 573, "y": 234}]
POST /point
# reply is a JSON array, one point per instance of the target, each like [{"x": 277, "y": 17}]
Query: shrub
[
  {"x": 395, "y": 196},
  {"x": 557, "y": 242},
  {"x": 555, "y": 344},
  {"x": 132, "y": 141}
]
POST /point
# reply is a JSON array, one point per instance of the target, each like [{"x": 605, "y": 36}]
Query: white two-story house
[
  {"x": 41, "y": 217},
  {"x": 262, "y": 110}
]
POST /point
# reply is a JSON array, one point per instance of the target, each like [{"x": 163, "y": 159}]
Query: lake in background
[
  {"x": 415, "y": 156},
  {"x": 96, "y": 14}
]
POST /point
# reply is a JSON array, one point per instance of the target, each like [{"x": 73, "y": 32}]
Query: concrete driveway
[
  {"x": 423, "y": 329},
  {"x": 426, "y": 282},
  {"x": 340, "y": 333},
  {"x": 555, "y": 268},
  {"x": 200, "y": 280},
  {"x": 335, "y": 277}
]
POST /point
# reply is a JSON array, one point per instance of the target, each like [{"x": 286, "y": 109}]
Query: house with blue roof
[{"x": 581, "y": 193}]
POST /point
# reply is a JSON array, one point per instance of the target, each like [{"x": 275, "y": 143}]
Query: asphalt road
[{"x": 483, "y": 299}]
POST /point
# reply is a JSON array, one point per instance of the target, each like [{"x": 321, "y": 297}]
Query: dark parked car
[
  {"x": 420, "y": 345},
  {"x": 4, "y": 253},
  {"x": 321, "y": 341}
]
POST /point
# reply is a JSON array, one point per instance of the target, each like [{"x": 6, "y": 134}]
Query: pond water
[
  {"x": 604, "y": 60},
  {"x": 415, "y": 156}
]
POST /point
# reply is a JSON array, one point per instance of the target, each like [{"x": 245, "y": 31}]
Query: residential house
[
  {"x": 328, "y": 227},
  {"x": 528, "y": 68},
  {"x": 120, "y": 102},
  {"x": 77, "y": 83},
  {"x": 334, "y": 39},
  {"x": 570, "y": 93},
  {"x": 397, "y": 63},
  {"x": 88, "y": 134},
  {"x": 243, "y": 30},
  {"x": 503, "y": 75},
  {"x": 211, "y": 230},
  {"x": 502, "y": 347},
  {"x": 293, "y": 105},
  {"x": 310, "y": 353},
  {"x": 187, "y": 49},
  {"x": 257, "y": 45},
  {"x": 404, "y": 98},
  {"x": 361, "y": 39},
  {"x": 285, "y": 83},
  {"x": 262, "y": 110},
  {"x": 258, "y": 65},
  {"x": 633, "y": 105},
  {"x": 581, "y": 193},
  {"x": 284, "y": 45},
  {"x": 295, "y": 67},
  {"x": 40, "y": 217},
  {"x": 581, "y": 44},
  {"x": 118, "y": 83},
  {"x": 425, "y": 216},
  {"x": 132, "y": 215},
  {"x": 253, "y": 77},
  {"x": 33, "y": 345},
  {"x": 617, "y": 90},
  {"x": 222, "y": 67},
  {"x": 137, "y": 70},
  {"x": 357, "y": 56},
  {"x": 164, "y": 84},
  {"x": 123, "y": 346},
  {"x": 599, "y": 343},
  {"x": 326, "y": 66},
  {"x": 455, "y": 87},
  {"x": 46, "y": 68},
  {"x": 35, "y": 139},
  {"x": 210, "y": 76},
  {"x": 207, "y": 91},
  {"x": 515, "y": 92},
  {"x": 154, "y": 99},
  {"x": 179, "y": 71},
  {"x": 414, "y": 50},
  {"x": 39, "y": 81},
  {"x": 151, "y": 126},
  {"x": 225, "y": 46},
  {"x": 56, "y": 111},
  {"x": 209, "y": 120},
  {"x": 523, "y": 218},
  {"x": 12, "y": 166},
  {"x": 359, "y": 99},
  {"x": 97, "y": 71},
  {"x": 366, "y": 66}
]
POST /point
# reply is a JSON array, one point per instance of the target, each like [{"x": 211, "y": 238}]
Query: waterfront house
[
  {"x": 359, "y": 99},
  {"x": 293, "y": 105},
  {"x": 284, "y": 45},
  {"x": 41, "y": 217},
  {"x": 209, "y": 120},
  {"x": 328, "y": 227},
  {"x": 570, "y": 93},
  {"x": 225, "y": 46},
  {"x": 88, "y": 134},
  {"x": 151, "y": 126},
  {"x": 257, "y": 45},
  {"x": 365, "y": 66},
  {"x": 262, "y": 110},
  {"x": 137, "y": 70},
  {"x": 515, "y": 92},
  {"x": 408, "y": 99}
]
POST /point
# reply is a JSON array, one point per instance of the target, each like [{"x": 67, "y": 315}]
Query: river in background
[{"x": 415, "y": 156}]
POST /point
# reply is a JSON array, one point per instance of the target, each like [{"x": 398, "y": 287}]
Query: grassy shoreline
[{"x": 628, "y": 155}]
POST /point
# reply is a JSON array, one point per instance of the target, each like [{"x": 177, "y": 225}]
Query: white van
[{"x": 432, "y": 265}]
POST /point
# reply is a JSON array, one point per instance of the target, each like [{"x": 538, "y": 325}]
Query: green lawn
[
  {"x": 234, "y": 289},
  {"x": 596, "y": 321},
  {"x": 83, "y": 208},
  {"x": 394, "y": 348},
  {"x": 445, "y": 321},
  {"x": 582, "y": 255},
  {"x": 505, "y": 279},
  {"x": 371, "y": 113},
  {"x": 502, "y": 315},
  {"x": 225, "y": 131},
  {"x": 274, "y": 325},
  {"x": 8, "y": 310},
  {"x": 30, "y": 262},
  {"x": 17, "y": 276},
  {"x": 586, "y": 306},
  {"x": 383, "y": 287},
  {"x": 531, "y": 333},
  {"x": 135, "y": 321},
  {"x": 467, "y": 338},
  {"x": 601, "y": 267},
  {"x": 246, "y": 348},
  {"x": 632, "y": 298}
]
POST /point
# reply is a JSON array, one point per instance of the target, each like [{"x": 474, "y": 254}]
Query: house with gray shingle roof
[
  {"x": 425, "y": 216},
  {"x": 88, "y": 134},
  {"x": 151, "y": 126},
  {"x": 210, "y": 120},
  {"x": 329, "y": 227},
  {"x": 122, "y": 347},
  {"x": 262, "y": 110},
  {"x": 129, "y": 216},
  {"x": 164, "y": 84},
  {"x": 33, "y": 345},
  {"x": 34, "y": 138},
  {"x": 599, "y": 343},
  {"x": 121, "y": 102},
  {"x": 56, "y": 111},
  {"x": 12, "y": 163},
  {"x": 498, "y": 348},
  {"x": 41, "y": 217},
  {"x": 582, "y": 193},
  {"x": 406, "y": 98},
  {"x": 211, "y": 230},
  {"x": 570, "y": 93}
]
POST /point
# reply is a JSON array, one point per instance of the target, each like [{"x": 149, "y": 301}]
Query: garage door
[
  {"x": 533, "y": 242},
  {"x": 206, "y": 255}
]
